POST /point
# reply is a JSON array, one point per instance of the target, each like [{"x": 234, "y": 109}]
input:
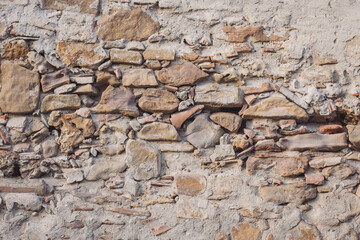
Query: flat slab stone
[
  {"x": 158, "y": 131},
  {"x": 60, "y": 102},
  {"x": 157, "y": 100},
  {"x": 139, "y": 78},
  {"x": 20, "y": 89},
  {"x": 124, "y": 56},
  {"x": 315, "y": 141},
  {"x": 159, "y": 54}
]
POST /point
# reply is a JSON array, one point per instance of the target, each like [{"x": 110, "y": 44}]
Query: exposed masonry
[{"x": 165, "y": 119}]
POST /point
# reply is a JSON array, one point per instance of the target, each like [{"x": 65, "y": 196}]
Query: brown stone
[
  {"x": 158, "y": 131},
  {"x": 125, "y": 56},
  {"x": 276, "y": 108},
  {"x": 14, "y": 49},
  {"x": 245, "y": 232},
  {"x": 342, "y": 171},
  {"x": 53, "y": 80},
  {"x": 177, "y": 119},
  {"x": 117, "y": 100},
  {"x": 144, "y": 159},
  {"x": 139, "y": 78},
  {"x": 157, "y": 100},
  {"x": 190, "y": 184},
  {"x": 354, "y": 134},
  {"x": 105, "y": 78},
  {"x": 60, "y": 102},
  {"x": 326, "y": 161},
  {"x": 159, "y": 54},
  {"x": 314, "y": 178},
  {"x": 315, "y": 141},
  {"x": 229, "y": 121},
  {"x": 294, "y": 192},
  {"x": 134, "y": 25},
  {"x": 84, "y": 6},
  {"x": 75, "y": 54},
  {"x": 331, "y": 129},
  {"x": 265, "y": 87},
  {"x": 241, "y": 34},
  {"x": 304, "y": 231},
  {"x": 20, "y": 89},
  {"x": 74, "y": 129},
  {"x": 179, "y": 74},
  {"x": 87, "y": 89},
  {"x": 241, "y": 142}
]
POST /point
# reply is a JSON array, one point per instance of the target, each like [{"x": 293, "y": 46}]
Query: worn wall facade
[{"x": 165, "y": 119}]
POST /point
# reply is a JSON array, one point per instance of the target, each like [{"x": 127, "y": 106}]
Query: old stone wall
[{"x": 179, "y": 119}]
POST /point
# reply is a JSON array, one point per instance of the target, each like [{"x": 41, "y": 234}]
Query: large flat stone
[
  {"x": 20, "y": 89},
  {"x": 218, "y": 95},
  {"x": 157, "y": 100},
  {"x": 134, "y": 25},
  {"x": 158, "y": 131},
  {"x": 60, "y": 102},
  {"x": 315, "y": 141},
  {"x": 179, "y": 74},
  {"x": 139, "y": 78},
  {"x": 276, "y": 108}
]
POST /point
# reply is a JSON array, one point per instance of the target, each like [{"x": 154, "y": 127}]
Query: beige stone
[
  {"x": 103, "y": 169},
  {"x": 241, "y": 34},
  {"x": 20, "y": 89},
  {"x": 159, "y": 54},
  {"x": 318, "y": 60},
  {"x": 245, "y": 232},
  {"x": 188, "y": 208},
  {"x": 124, "y": 56},
  {"x": 139, "y": 78},
  {"x": 229, "y": 121},
  {"x": 157, "y": 100},
  {"x": 158, "y": 131},
  {"x": 304, "y": 231},
  {"x": 75, "y": 54},
  {"x": 87, "y": 89},
  {"x": 60, "y": 102},
  {"x": 83, "y": 6},
  {"x": 14, "y": 49},
  {"x": 179, "y": 74},
  {"x": 354, "y": 134},
  {"x": 134, "y": 25},
  {"x": 190, "y": 184},
  {"x": 105, "y": 78},
  {"x": 353, "y": 51},
  {"x": 276, "y": 108},
  {"x": 117, "y": 100}
]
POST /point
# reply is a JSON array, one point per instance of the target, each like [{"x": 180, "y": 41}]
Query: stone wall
[{"x": 166, "y": 119}]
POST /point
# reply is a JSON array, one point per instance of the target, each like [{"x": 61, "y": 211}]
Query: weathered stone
[
  {"x": 287, "y": 125},
  {"x": 60, "y": 102},
  {"x": 105, "y": 78},
  {"x": 7, "y": 163},
  {"x": 87, "y": 89},
  {"x": 20, "y": 89},
  {"x": 27, "y": 201},
  {"x": 83, "y": 79},
  {"x": 353, "y": 51},
  {"x": 158, "y": 131},
  {"x": 117, "y": 100},
  {"x": 342, "y": 171},
  {"x": 229, "y": 121},
  {"x": 139, "y": 78},
  {"x": 188, "y": 208},
  {"x": 314, "y": 178},
  {"x": 304, "y": 231},
  {"x": 316, "y": 73},
  {"x": 331, "y": 129},
  {"x": 75, "y": 54},
  {"x": 241, "y": 34},
  {"x": 157, "y": 100},
  {"x": 73, "y": 175},
  {"x": 144, "y": 159},
  {"x": 315, "y": 141},
  {"x": 326, "y": 161},
  {"x": 202, "y": 133},
  {"x": 120, "y": 124},
  {"x": 218, "y": 95},
  {"x": 179, "y": 74},
  {"x": 222, "y": 186},
  {"x": 318, "y": 60},
  {"x": 65, "y": 88},
  {"x": 159, "y": 54},
  {"x": 174, "y": 146},
  {"x": 134, "y": 25},
  {"x": 84, "y": 6},
  {"x": 17, "y": 123},
  {"x": 354, "y": 134},
  {"x": 241, "y": 142},
  {"x": 265, "y": 87},
  {"x": 14, "y": 49},
  {"x": 103, "y": 169},
  {"x": 294, "y": 192},
  {"x": 124, "y": 56},
  {"x": 223, "y": 152},
  {"x": 276, "y": 108},
  {"x": 53, "y": 80},
  {"x": 190, "y": 184},
  {"x": 245, "y": 232},
  {"x": 49, "y": 148},
  {"x": 74, "y": 129},
  {"x": 177, "y": 119}
]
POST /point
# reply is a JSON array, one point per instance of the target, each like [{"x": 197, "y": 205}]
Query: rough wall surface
[{"x": 166, "y": 119}]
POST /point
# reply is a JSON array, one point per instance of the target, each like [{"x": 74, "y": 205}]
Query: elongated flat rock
[
  {"x": 158, "y": 131},
  {"x": 139, "y": 78},
  {"x": 157, "y": 100},
  {"x": 60, "y": 102}
]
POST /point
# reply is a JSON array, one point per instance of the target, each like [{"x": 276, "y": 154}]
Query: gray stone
[
  {"x": 50, "y": 148},
  {"x": 103, "y": 169}
]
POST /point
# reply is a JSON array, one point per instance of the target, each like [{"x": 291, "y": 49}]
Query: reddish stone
[
  {"x": 331, "y": 129},
  {"x": 314, "y": 178},
  {"x": 179, "y": 118}
]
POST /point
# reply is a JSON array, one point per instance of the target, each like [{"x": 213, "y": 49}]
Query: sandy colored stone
[
  {"x": 125, "y": 56},
  {"x": 218, "y": 95},
  {"x": 103, "y": 169},
  {"x": 60, "y": 102},
  {"x": 117, "y": 100},
  {"x": 294, "y": 192},
  {"x": 245, "y": 232},
  {"x": 53, "y": 80},
  {"x": 190, "y": 184},
  {"x": 139, "y": 78},
  {"x": 14, "y": 49},
  {"x": 240, "y": 35},
  {"x": 105, "y": 78},
  {"x": 144, "y": 159},
  {"x": 83, "y": 6},
  {"x": 188, "y": 208},
  {"x": 87, "y": 89},
  {"x": 315, "y": 141},
  {"x": 265, "y": 87},
  {"x": 179, "y": 74},
  {"x": 159, "y": 54},
  {"x": 76, "y": 54},
  {"x": 134, "y": 25},
  {"x": 304, "y": 231},
  {"x": 20, "y": 89},
  {"x": 157, "y": 100},
  {"x": 276, "y": 108},
  {"x": 229, "y": 121},
  {"x": 158, "y": 131},
  {"x": 353, "y": 51}
]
